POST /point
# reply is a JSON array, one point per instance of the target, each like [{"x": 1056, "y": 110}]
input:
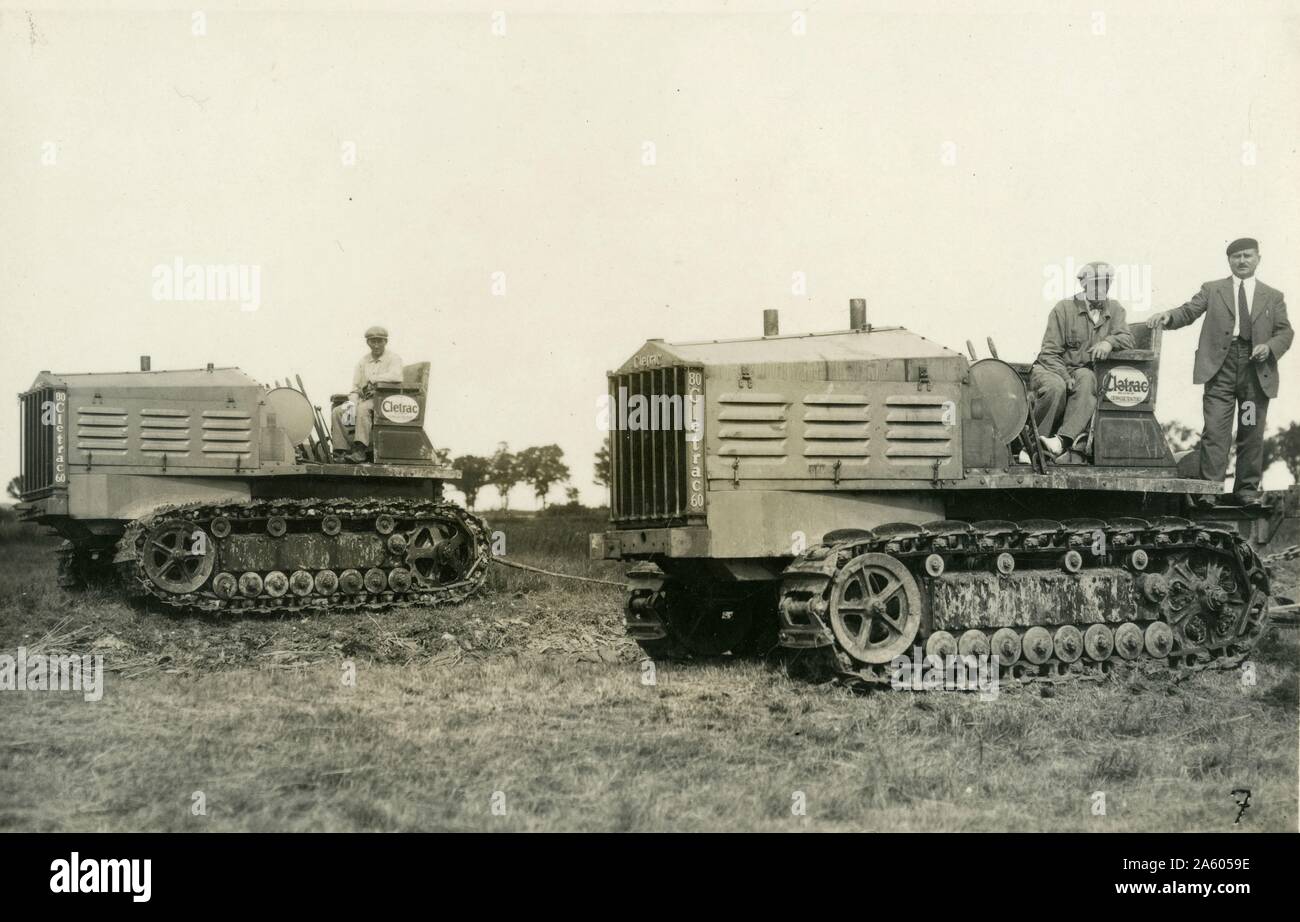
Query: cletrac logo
[
  {"x": 399, "y": 408},
  {"x": 60, "y": 437},
  {"x": 694, "y": 439},
  {"x": 1126, "y": 386},
  {"x": 54, "y": 415}
]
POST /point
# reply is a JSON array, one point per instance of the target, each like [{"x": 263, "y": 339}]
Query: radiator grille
[
  {"x": 656, "y": 472},
  {"x": 42, "y": 442}
]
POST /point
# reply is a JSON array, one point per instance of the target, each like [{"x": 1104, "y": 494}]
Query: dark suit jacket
[{"x": 1268, "y": 323}]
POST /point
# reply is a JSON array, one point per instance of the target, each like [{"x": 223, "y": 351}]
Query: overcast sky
[{"x": 383, "y": 167}]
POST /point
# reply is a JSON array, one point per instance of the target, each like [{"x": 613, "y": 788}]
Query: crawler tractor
[
  {"x": 863, "y": 493},
  {"x": 205, "y": 490}
]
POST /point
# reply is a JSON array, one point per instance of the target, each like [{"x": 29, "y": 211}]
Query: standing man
[
  {"x": 1080, "y": 330},
  {"x": 1244, "y": 334},
  {"x": 377, "y": 365}
]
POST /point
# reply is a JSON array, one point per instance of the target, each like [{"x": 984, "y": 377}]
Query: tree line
[{"x": 541, "y": 467}]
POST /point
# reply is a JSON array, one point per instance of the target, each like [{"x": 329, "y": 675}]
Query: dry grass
[{"x": 532, "y": 692}]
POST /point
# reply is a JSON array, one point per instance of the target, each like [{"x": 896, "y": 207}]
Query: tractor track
[
  {"x": 1192, "y": 595},
  {"x": 278, "y": 556}
]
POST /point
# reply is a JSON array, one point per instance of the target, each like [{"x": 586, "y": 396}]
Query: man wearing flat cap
[
  {"x": 1244, "y": 334},
  {"x": 1080, "y": 330},
  {"x": 378, "y": 365}
]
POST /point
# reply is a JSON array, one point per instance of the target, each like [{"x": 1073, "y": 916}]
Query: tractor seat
[
  {"x": 416, "y": 377},
  {"x": 415, "y": 381}
]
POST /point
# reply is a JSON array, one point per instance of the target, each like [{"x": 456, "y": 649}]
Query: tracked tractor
[
  {"x": 206, "y": 490},
  {"x": 866, "y": 493}
]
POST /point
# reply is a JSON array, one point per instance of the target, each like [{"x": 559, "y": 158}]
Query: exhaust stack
[
  {"x": 144, "y": 363},
  {"x": 858, "y": 314},
  {"x": 771, "y": 323}
]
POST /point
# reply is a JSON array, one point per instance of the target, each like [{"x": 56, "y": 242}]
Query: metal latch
[
  {"x": 735, "y": 473},
  {"x": 746, "y": 378},
  {"x": 835, "y": 470},
  {"x": 922, "y": 377}
]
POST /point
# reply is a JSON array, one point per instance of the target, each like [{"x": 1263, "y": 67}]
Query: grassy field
[{"x": 525, "y": 710}]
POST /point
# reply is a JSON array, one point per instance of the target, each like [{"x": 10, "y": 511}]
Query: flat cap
[
  {"x": 1243, "y": 243},
  {"x": 381, "y": 332},
  {"x": 1096, "y": 268}
]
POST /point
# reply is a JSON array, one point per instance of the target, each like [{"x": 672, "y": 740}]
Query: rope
[{"x": 581, "y": 579}]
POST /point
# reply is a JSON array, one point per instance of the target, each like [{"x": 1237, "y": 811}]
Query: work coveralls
[{"x": 1064, "y": 357}]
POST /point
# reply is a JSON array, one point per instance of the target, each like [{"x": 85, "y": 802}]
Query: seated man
[
  {"x": 377, "y": 365},
  {"x": 1081, "y": 330}
]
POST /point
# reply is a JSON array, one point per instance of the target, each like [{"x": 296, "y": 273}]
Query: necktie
[{"x": 1243, "y": 314}]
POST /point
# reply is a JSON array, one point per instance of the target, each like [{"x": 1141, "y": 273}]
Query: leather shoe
[{"x": 1245, "y": 497}]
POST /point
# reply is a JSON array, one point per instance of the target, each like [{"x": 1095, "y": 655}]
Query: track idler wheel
[
  {"x": 178, "y": 556},
  {"x": 875, "y": 608},
  {"x": 438, "y": 554}
]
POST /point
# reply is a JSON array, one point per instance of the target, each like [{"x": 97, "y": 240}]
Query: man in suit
[
  {"x": 1244, "y": 334},
  {"x": 1080, "y": 331}
]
